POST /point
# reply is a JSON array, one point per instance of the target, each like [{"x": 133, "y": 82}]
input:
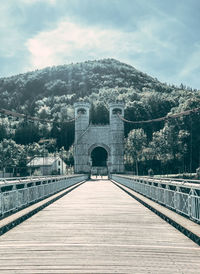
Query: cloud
[
  {"x": 9, "y": 35},
  {"x": 154, "y": 37},
  {"x": 30, "y": 2},
  {"x": 72, "y": 42},
  {"x": 18, "y": 23},
  {"x": 192, "y": 62}
]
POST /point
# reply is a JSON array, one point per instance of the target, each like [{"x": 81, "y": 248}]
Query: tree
[
  {"x": 10, "y": 154},
  {"x": 135, "y": 145},
  {"x": 33, "y": 150},
  {"x": 3, "y": 132},
  {"x": 170, "y": 147},
  {"x": 26, "y": 133},
  {"x": 57, "y": 87},
  {"x": 69, "y": 157},
  {"x": 66, "y": 135},
  {"x": 99, "y": 114}
]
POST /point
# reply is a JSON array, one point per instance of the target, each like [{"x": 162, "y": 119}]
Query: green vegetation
[{"x": 170, "y": 146}]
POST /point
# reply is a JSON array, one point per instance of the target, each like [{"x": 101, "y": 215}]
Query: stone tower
[
  {"x": 82, "y": 111},
  {"x": 98, "y": 147},
  {"x": 117, "y": 137}
]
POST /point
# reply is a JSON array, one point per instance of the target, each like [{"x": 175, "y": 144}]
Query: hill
[
  {"x": 25, "y": 92},
  {"x": 51, "y": 92}
]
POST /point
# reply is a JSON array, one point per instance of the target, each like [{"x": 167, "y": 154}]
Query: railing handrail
[
  {"x": 186, "y": 203},
  {"x": 15, "y": 180},
  {"x": 168, "y": 181},
  {"x": 17, "y": 198}
]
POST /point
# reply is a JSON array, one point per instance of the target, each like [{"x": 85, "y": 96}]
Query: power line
[{"x": 187, "y": 112}]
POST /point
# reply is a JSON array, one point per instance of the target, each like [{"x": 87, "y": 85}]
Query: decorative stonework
[{"x": 88, "y": 137}]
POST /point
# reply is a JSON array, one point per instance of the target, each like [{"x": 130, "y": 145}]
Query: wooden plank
[{"x": 97, "y": 228}]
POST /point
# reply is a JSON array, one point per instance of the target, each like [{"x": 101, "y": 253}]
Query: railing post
[
  {"x": 1, "y": 203},
  {"x": 190, "y": 203},
  {"x": 15, "y": 194}
]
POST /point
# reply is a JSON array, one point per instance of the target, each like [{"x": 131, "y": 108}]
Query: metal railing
[
  {"x": 33, "y": 190},
  {"x": 179, "y": 197}
]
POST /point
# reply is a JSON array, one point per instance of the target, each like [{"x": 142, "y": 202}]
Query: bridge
[{"x": 125, "y": 224}]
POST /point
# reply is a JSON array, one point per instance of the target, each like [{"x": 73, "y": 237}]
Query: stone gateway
[{"x": 98, "y": 149}]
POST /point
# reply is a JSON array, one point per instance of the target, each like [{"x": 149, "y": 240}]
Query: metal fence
[
  {"x": 182, "y": 199},
  {"x": 16, "y": 199}
]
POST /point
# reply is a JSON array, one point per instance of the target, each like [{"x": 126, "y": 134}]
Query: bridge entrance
[
  {"x": 99, "y": 157},
  {"x": 99, "y": 160}
]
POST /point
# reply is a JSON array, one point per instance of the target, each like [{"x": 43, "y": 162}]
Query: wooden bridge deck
[{"x": 97, "y": 228}]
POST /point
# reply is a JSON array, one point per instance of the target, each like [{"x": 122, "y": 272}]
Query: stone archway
[
  {"x": 107, "y": 148},
  {"x": 99, "y": 159}
]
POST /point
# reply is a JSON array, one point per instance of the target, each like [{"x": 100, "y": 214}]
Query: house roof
[{"x": 42, "y": 161}]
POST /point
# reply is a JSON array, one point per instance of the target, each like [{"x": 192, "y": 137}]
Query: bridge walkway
[{"x": 97, "y": 228}]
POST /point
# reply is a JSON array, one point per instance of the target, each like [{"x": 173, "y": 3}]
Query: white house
[{"x": 47, "y": 166}]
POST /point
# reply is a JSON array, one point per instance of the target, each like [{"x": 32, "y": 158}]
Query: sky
[{"x": 158, "y": 37}]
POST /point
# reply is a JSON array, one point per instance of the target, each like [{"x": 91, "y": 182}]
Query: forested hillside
[
  {"x": 168, "y": 146},
  {"x": 49, "y": 87}
]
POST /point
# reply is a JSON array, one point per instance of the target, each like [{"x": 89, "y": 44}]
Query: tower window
[
  {"x": 117, "y": 111},
  {"x": 81, "y": 111}
]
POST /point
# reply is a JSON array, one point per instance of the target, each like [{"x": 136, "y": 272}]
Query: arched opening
[
  {"x": 81, "y": 111},
  {"x": 99, "y": 157},
  {"x": 117, "y": 111}
]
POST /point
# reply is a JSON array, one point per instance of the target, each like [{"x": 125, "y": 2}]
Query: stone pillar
[
  {"x": 117, "y": 138},
  {"x": 81, "y": 161}
]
